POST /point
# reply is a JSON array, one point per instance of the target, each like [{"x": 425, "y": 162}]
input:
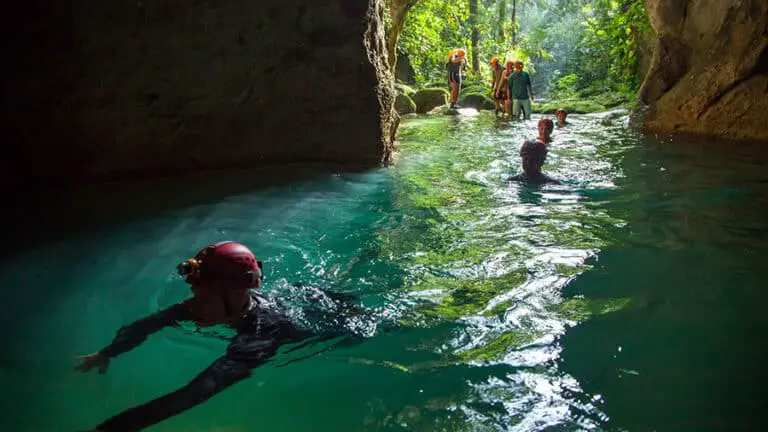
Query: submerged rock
[
  {"x": 709, "y": 72},
  {"x": 429, "y": 98},
  {"x": 477, "y": 101}
]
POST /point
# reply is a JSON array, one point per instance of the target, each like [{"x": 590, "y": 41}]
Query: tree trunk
[
  {"x": 475, "y": 36},
  {"x": 514, "y": 23},
  {"x": 398, "y": 9},
  {"x": 502, "y": 4}
]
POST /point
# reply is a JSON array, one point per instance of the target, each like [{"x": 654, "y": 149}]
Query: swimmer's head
[
  {"x": 224, "y": 265},
  {"x": 546, "y": 126},
  {"x": 221, "y": 275},
  {"x": 532, "y": 155},
  {"x": 561, "y": 115}
]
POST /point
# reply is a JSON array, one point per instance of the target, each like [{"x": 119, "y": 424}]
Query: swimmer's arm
[
  {"x": 132, "y": 335},
  {"x": 223, "y": 373}
]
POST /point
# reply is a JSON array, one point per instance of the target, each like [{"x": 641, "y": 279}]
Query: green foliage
[
  {"x": 608, "y": 55},
  {"x": 432, "y": 28},
  {"x": 573, "y": 106},
  {"x": 573, "y": 49}
]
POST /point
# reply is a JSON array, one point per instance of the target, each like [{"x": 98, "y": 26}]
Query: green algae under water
[{"x": 630, "y": 298}]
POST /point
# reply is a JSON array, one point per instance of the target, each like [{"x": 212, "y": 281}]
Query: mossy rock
[
  {"x": 474, "y": 81},
  {"x": 477, "y": 89},
  {"x": 476, "y": 100},
  {"x": 436, "y": 84},
  {"x": 611, "y": 100},
  {"x": 428, "y": 98},
  {"x": 404, "y": 89},
  {"x": 404, "y": 104},
  {"x": 579, "y": 106}
]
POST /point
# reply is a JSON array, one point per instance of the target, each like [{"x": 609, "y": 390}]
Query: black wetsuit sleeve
[
  {"x": 132, "y": 335},
  {"x": 218, "y": 376},
  {"x": 253, "y": 346}
]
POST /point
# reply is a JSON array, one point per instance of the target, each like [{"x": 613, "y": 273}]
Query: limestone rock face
[
  {"x": 709, "y": 72},
  {"x": 137, "y": 88}
]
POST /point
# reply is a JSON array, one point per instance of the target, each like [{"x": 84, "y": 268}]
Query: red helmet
[
  {"x": 547, "y": 123},
  {"x": 226, "y": 261}
]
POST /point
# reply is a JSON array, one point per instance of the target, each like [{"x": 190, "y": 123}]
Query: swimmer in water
[
  {"x": 533, "y": 154},
  {"x": 222, "y": 276},
  {"x": 545, "y": 126},
  {"x": 561, "y": 114}
]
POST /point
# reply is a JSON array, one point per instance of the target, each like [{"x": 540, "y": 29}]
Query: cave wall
[
  {"x": 709, "y": 72},
  {"x": 95, "y": 90}
]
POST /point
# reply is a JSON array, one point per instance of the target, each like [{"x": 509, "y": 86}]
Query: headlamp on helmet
[{"x": 227, "y": 262}]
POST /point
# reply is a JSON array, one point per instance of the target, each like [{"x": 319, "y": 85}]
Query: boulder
[
  {"x": 429, "y": 98},
  {"x": 709, "y": 71},
  {"x": 404, "y": 104},
  {"x": 108, "y": 90}
]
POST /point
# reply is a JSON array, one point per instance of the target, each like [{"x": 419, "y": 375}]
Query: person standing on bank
[
  {"x": 519, "y": 83},
  {"x": 456, "y": 61}
]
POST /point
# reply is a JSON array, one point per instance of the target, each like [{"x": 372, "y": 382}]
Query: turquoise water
[{"x": 630, "y": 298}]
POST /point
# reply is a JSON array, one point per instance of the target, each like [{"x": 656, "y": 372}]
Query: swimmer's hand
[{"x": 88, "y": 362}]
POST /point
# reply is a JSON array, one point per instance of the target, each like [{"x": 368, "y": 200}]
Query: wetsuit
[
  {"x": 535, "y": 180},
  {"x": 260, "y": 332},
  {"x": 454, "y": 70}
]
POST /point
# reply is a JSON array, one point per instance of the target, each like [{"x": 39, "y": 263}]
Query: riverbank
[{"x": 476, "y": 93}]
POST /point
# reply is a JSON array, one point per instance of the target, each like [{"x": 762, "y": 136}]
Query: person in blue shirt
[{"x": 519, "y": 83}]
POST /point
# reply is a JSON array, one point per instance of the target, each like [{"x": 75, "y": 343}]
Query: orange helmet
[
  {"x": 494, "y": 61},
  {"x": 461, "y": 52}
]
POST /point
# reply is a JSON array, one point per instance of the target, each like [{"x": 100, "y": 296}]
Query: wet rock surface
[
  {"x": 136, "y": 89},
  {"x": 709, "y": 72}
]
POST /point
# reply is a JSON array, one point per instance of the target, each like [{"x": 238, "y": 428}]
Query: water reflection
[{"x": 624, "y": 298}]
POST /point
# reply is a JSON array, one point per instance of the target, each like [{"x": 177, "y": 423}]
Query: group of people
[
  {"x": 511, "y": 88},
  {"x": 511, "y": 85},
  {"x": 224, "y": 276},
  {"x": 512, "y": 92},
  {"x": 533, "y": 153}
]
